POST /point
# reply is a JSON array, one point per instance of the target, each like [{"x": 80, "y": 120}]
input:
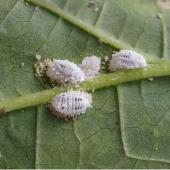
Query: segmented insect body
[
  {"x": 126, "y": 59},
  {"x": 70, "y": 104},
  {"x": 91, "y": 66},
  {"x": 64, "y": 71}
]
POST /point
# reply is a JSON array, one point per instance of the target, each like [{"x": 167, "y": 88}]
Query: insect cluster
[{"x": 72, "y": 103}]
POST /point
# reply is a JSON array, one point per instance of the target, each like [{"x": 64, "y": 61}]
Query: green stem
[
  {"x": 101, "y": 81},
  {"x": 97, "y": 32}
]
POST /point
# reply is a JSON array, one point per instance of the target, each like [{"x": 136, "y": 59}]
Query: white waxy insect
[
  {"x": 70, "y": 104},
  {"x": 91, "y": 66},
  {"x": 126, "y": 59},
  {"x": 64, "y": 71}
]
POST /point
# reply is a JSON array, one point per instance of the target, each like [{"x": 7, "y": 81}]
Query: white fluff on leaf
[{"x": 91, "y": 66}]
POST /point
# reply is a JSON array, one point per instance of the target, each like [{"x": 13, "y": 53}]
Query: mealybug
[
  {"x": 64, "y": 71},
  {"x": 91, "y": 66},
  {"x": 70, "y": 104},
  {"x": 126, "y": 59}
]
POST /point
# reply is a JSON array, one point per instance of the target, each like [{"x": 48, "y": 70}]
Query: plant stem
[
  {"x": 97, "y": 32},
  {"x": 100, "y": 81}
]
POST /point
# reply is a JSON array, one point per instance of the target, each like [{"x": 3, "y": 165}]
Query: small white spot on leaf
[
  {"x": 38, "y": 57},
  {"x": 22, "y": 64}
]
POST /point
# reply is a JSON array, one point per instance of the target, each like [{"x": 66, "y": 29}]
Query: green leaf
[
  {"x": 128, "y": 127},
  {"x": 144, "y": 112}
]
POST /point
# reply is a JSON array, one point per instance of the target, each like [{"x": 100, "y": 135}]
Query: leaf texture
[{"x": 128, "y": 127}]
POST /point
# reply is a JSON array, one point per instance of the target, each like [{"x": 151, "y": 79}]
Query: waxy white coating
[
  {"x": 91, "y": 66},
  {"x": 70, "y": 104},
  {"x": 64, "y": 71},
  {"x": 126, "y": 59}
]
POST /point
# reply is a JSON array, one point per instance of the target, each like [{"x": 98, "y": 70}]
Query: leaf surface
[{"x": 127, "y": 127}]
